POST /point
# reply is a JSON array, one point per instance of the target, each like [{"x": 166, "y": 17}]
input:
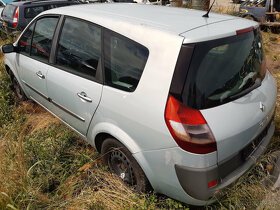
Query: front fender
[{"x": 10, "y": 62}]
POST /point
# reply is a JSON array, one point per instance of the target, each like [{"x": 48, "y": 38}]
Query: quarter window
[
  {"x": 124, "y": 61},
  {"x": 79, "y": 48},
  {"x": 24, "y": 43},
  {"x": 42, "y": 38}
]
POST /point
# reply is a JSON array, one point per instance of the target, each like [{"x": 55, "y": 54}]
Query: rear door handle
[
  {"x": 40, "y": 75},
  {"x": 84, "y": 96}
]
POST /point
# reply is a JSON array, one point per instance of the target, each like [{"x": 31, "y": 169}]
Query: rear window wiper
[{"x": 257, "y": 84}]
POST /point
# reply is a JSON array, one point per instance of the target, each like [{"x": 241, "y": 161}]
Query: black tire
[
  {"x": 249, "y": 17},
  {"x": 121, "y": 162},
  {"x": 236, "y": 1},
  {"x": 20, "y": 95}
]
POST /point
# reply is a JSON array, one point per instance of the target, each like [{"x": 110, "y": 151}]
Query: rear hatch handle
[{"x": 257, "y": 84}]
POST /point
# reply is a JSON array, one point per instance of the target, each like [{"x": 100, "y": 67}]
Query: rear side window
[
  {"x": 42, "y": 38},
  {"x": 79, "y": 48},
  {"x": 32, "y": 12},
  {"x": 222, "y": 69},
  {"x": 9, "y": 11},
  {"x": 51, "y": 6},
  {"x": 59, "y": 5},
  {"x": 124, "y": 61}
]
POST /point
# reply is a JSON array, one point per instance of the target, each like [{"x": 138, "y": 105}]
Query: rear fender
[
  {"x": 256, "y": 13},
  {"x": 114, "y": 131}
]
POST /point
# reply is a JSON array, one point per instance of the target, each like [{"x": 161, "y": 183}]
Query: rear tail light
[
  {"x": 189, "y": 128},
  {"x": 15, "y": 20}
]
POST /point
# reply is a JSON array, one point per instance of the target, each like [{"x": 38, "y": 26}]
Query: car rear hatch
[
  {"x": 226, "y": 80},
  {"x": 8, "y": 16}
]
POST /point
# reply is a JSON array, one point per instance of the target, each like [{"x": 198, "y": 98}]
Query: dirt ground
[{"x": 274, "y": 63}]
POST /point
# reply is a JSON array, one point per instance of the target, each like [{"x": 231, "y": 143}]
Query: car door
[
  {"x": 34, "y": 49},
  {"x": 73, "y": 81}
]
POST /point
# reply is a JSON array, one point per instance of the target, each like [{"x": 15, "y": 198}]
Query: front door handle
[
  {"x": 84, "y": 96},
  {"x": 40, "y": 75}
]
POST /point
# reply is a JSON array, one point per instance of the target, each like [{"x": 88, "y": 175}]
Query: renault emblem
[{"x": 262, "y": 107}]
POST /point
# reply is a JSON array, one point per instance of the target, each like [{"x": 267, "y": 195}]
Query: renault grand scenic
[{"x": 171, "y": 99}]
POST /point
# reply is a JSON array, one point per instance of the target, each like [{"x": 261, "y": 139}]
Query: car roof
[{"x": 167, "y": 19}]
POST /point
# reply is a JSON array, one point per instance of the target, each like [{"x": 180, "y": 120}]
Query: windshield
[{"x": 221, "y": 69}]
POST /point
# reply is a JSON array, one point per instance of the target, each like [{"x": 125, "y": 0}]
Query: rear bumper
[{"x": 195, "y": 181}]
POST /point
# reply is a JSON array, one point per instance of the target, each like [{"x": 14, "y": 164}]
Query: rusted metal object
[{"x": 267, "y": 12}]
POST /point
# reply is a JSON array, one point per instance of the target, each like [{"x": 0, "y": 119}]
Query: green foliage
[{"x": 6, "y": 99}]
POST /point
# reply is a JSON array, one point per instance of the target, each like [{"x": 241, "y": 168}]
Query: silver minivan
[{"x": 172, "y": 100}]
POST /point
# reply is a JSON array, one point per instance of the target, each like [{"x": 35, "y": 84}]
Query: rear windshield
[
  {"x": 222, "y": 69},
  {"x": 8, "y": 11}
]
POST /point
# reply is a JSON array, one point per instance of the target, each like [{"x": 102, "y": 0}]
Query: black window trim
[
  {"x": 100, "y": 72},
  {"x": 99, "y": 75},
  {"x": 35, "y": 22}
]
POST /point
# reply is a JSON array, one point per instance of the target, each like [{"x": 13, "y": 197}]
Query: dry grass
[
  {"x": 45, "y": 165},
  {"x": 231, "y": 10}
]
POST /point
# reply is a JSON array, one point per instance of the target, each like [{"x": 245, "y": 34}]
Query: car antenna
[{"x": 206, "y": 15}]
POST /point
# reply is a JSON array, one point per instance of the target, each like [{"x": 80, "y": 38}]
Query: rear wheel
[
  {"x": 236, "y": 1},
  {"x": 18, "y": 90},
  {"x": 122, "y": 163},
  {"x": 249, "y": 17}
]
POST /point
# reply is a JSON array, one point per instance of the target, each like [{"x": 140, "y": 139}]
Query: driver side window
[
  {"x": 24, "y": 44},
  {"x": 42, "y": 38},
  {"x": 37, "y": 39}
]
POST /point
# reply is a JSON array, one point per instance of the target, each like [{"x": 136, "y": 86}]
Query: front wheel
[
  {"x": 122, "y": 163},
  {"x": 18, "y": 90}
]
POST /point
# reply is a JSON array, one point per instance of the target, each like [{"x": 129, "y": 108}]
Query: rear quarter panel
[{"x": 140, "y": 114}]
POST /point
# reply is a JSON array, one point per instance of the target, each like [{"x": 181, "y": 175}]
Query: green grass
[{"x": 45, "y": 165}]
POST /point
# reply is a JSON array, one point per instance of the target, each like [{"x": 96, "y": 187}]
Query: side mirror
[{"x": 8, "y": 48}]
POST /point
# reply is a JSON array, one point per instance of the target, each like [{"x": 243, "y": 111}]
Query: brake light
[
  {"x": 15, "y": 20},
  {"x": 245, "y": 30},
  {"x": 189, "y": 128}
]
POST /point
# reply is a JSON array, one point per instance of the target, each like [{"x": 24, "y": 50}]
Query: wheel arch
[
  {"x": 100, "y": 138},
  {"x": 9, "y": 71},
  {"x": 104, "y": 130},
  {"x": 250, "y": 15}
]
